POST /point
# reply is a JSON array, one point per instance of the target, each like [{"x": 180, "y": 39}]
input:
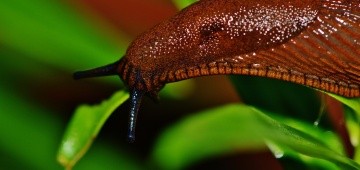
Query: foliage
[{"x": 58, "y": 39}]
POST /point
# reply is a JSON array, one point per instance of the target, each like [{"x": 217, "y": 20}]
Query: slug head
[
  {"x": 139, "y": 84},
  {"x": 132, "y": 78}
]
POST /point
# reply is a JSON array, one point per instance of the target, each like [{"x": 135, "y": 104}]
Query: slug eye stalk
[
  {"x": 135, "y": 102},
  {"x": 135, "y": 95},
  {"x": 107, "y": 70}
]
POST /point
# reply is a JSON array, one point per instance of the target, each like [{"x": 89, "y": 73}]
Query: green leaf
[
  {"x": 304, "y": 143},
  {"x": 171, "y": 90},
  {"x": 328, "y": 138},
  {"x": 353, "y": 103},
  {"x": 352, "y": 121},
  {"x": 289, "y": 100},
  {"x": 290, "y": 159},
  {"x": 30, "y": 134},
  {"x": 235, "y": 128},
  {"x": 84, "y": 127},
  {"x": 183, "y": 3}
]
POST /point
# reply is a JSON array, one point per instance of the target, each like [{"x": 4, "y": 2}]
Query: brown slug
[{"x": 315, "y": 43}]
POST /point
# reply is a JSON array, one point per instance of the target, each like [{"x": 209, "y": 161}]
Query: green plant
[{"x": 42, "y": 38}]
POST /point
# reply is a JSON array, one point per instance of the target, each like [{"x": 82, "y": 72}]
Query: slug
[{"x": 315, "y": 43}]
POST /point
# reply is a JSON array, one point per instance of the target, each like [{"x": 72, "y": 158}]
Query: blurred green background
[{"x": 43, "y": 42}]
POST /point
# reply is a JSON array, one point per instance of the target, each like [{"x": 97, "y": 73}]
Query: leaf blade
[
  {"x": 84, "y": 127},
  {"x": 194, "y": 139}
]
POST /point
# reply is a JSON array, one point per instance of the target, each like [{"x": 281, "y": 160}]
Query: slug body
[{"x": 310, "y": 42}]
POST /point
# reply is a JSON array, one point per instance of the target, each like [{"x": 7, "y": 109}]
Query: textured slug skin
[{"x": 310, "y": 42}]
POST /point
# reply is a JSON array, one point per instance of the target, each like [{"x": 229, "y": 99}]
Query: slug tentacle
[
  {"x": 135, "y": 101},
  {"x": 107, "y": 70}
]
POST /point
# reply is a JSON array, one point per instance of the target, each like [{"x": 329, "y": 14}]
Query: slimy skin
[{"x": 315, "y": 43}]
